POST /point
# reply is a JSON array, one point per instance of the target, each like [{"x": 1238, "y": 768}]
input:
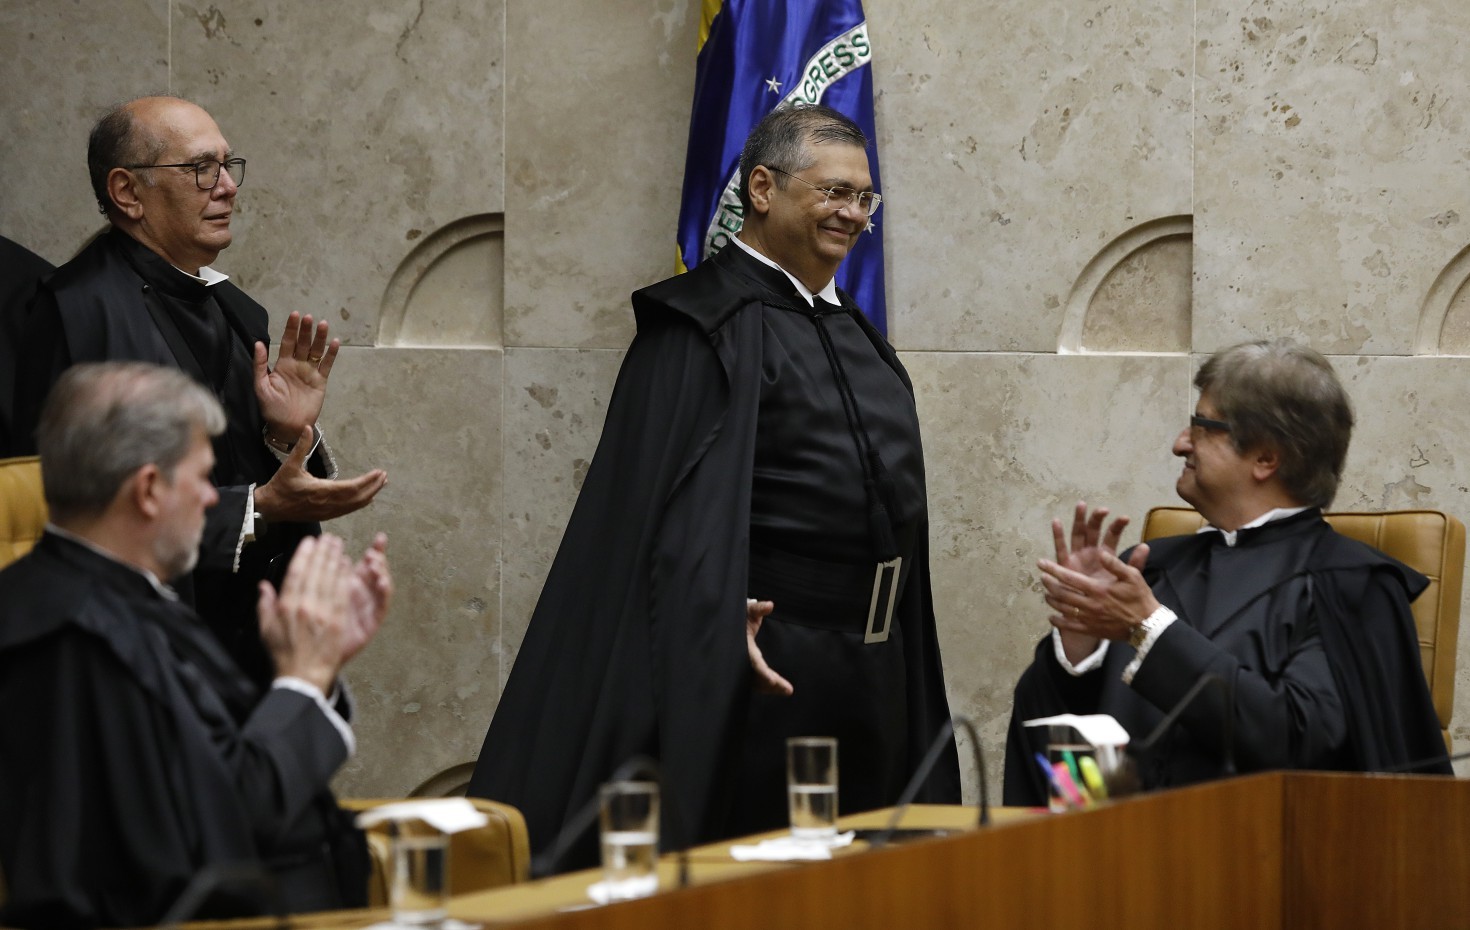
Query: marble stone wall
[{"x": 1083, "y": 199}]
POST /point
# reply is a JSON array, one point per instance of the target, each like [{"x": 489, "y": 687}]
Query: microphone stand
[
  {"x": 1227, "y": 689},
  {"x": 219, "y": 876},
  {"x": 926, "y": 766}
]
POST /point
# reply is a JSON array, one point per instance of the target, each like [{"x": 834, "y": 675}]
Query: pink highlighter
[{"x": 1063, "y": 777}]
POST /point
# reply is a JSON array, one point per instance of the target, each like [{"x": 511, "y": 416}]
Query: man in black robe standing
[
  {"x": 134, "y": 755},
  {"x": 166, "y": 179},
  {"x": 761, "y": 448},
  {"x": 21, "y": 270},
  {"x": 1310, "y": 631}
]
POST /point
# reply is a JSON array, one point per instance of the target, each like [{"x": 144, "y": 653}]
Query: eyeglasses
[
  {"x": 1208, "y": 424},
  {"x": 206, "y": 173},
  {"x": 867, "y": 201}
]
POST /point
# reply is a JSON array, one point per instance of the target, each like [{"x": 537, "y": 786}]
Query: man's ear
[
  {"x": 1264, "y": 463},
  {"x": 143, "y": 490},
  {"x": 122, "y": 190},
  {"x": 759, "y": 187}
]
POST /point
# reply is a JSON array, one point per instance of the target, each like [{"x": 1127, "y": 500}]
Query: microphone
[
  {"x": 1227, "y": 743},
  {"x": 218, "y": 877},
  {"x": 637, "y": 767},
  {"x": 921, "y": 774}
]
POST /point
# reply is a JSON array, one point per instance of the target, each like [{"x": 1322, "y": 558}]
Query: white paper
[
  {"x": 1097, "y": 729},
  {"x": 447, "y": 815},
  {"x": 789, "y": 848},
  {"x": 605, "y": 892}
]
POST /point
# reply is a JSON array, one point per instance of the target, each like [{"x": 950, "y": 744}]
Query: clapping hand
[
  {"x": 1094, "y": 593},
  {"x": 291, "y": 394}
]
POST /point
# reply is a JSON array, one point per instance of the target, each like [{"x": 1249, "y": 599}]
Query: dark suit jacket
[
  {"x": 20, "y": 271},
  {"x": 134, "y": 754},
  {"x": 1312, "y": 629},
  {"x": 105, "y": 305}
]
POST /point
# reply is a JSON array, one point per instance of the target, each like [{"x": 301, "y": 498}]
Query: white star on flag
[{"x": 774, "y": 85}]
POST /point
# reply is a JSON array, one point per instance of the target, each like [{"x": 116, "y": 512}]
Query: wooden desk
[
  {"x": 707, "y": 865},
  {"x": 1272, "y": 851},
  {"x": 1281, "y": 850}
]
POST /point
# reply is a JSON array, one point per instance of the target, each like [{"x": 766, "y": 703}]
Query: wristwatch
[
  {"x": 1155, "y": 621},
  {"x": 1138, "y": 634}
]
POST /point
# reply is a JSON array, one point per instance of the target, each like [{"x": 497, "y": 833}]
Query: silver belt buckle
[{"x": 885, "y": 592}]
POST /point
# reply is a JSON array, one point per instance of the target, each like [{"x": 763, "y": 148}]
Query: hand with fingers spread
[
  {"x": 291, "y": 394},
  {"x": 767, "y": 681},
  {"x": 370, "y": 590},
  {"x": 1094, "y": 593},
  {"x": 296, "y": 495},
  {"x": 304, "y": 625}
]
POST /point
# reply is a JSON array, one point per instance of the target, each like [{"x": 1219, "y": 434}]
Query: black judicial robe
[
  {"x": 119, "y": 301},
  {"x": 20, "y": 271},
  {"x": 1313, "y": 628},
  {"x": 133, "y": 754},
  {"x": 637, "y": 644}
]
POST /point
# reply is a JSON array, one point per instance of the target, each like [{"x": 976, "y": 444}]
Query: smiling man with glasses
[
  {"x": 1311, "y": 631},
  {"x": 167, "y": 180},
  {"x": 748, "y": 559}
]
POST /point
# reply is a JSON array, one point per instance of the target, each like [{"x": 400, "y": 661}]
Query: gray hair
[
  {"x": 104, "y": 421},
  {"x": 120, "y": 139},
  {"x": 780, "y": 141},
  {"x": 1278, "y": 394}
]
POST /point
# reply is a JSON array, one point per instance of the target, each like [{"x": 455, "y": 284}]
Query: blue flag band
[{"x": 760, "y": 55}]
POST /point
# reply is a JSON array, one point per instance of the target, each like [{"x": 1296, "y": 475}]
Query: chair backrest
[
  {"x": 22, "y": 507},
  {"x": 22, "y": 519},
  {"x": 496, "y": 854},
  {"x": 1428, "y": 541}
]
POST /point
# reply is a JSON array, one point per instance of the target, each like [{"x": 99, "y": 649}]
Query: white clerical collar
[
  {"x": 1270, "y": 516},
  {"x": 828, "y": 293},
  {"x": 206, "y": 276},
  {"x": 164, "y": 591}
]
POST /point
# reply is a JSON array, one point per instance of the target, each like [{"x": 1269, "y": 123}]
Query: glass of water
[
  {"x": 420, "y": 889},
  {"x": 811, "y": 786},
  {"x": 629, "y": 822}
]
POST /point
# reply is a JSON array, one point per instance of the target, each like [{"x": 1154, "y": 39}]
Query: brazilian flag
[{"x": 755, "y": 56}]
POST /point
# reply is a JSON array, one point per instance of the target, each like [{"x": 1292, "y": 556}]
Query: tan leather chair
[
  {"x": 22, "y": 507},
  {"x": 496, "y": 854},
  {"x": 1428, "y": 541}
]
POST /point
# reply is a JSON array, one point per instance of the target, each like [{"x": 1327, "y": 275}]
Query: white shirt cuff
[
  {"x": 1154, "y": 626},
  {"x": 301, "y": 686},
  {"x": 247, "y": 529},
  {"x": 1086, "y": 665},
  {"x": 318, "y": 444}
]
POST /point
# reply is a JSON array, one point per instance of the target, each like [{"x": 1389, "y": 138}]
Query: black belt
[{"x": 849, "y": 597}]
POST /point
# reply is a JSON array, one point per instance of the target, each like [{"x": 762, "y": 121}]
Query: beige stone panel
[
  {"x": 62, "y": 65},
  {"x": 367, "y": 126},
  {"x": 426, "y": 686},
  {"x": 450, "y": 290},
  {"x": 555, "y": 404},
  {"x": 1455, "y": 334},
  {"x": 1010, "y": 442},
  {"x": 1144, "y": 303},
  {"x": 1330, "y": 163},
  {"x": 1409, "y": 450},
  {"x": 597, "y": 117},
  {"x": 1444, "y": 319},
  {"x": 1016, "y": 141}
]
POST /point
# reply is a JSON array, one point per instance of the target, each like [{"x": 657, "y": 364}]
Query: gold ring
[
  {"x": 1076, "y": 612},
  {"x": 313, "y": 358}
]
